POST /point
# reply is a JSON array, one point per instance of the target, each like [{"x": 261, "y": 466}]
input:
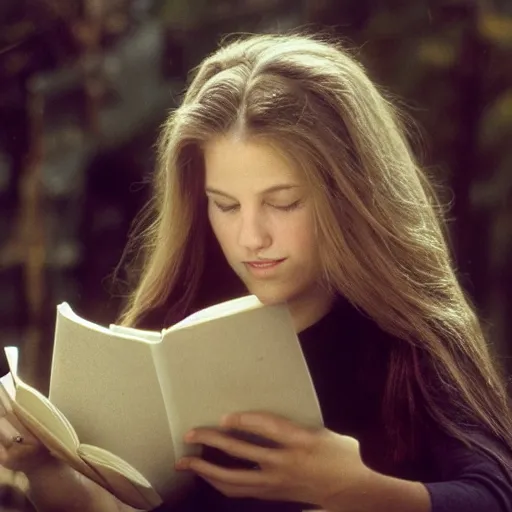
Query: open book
[{"x": 122, "y": 399}]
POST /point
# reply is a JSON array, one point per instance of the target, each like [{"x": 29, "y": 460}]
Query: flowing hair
[{"x": 381, "y": 230}]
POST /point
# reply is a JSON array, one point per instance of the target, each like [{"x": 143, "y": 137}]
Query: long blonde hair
[{"x": 382, "y": 236}]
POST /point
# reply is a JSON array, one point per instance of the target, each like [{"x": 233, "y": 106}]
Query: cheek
[
  {"x": 305, "y": 241},
  {"x": 300, "y": 237}
]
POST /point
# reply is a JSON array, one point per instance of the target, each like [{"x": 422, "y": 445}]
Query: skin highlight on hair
[{"x": 381, "y": 236}]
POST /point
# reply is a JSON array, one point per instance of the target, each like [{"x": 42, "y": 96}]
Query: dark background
[{"x": 85, "y": 85}]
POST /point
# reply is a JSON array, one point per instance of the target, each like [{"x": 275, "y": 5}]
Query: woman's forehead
[{"x": 233, "y": 162}]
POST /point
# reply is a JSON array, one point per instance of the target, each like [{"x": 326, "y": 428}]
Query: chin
[
  {"x": 269, "y": 296},
  {"x": 269, "y": 301}
]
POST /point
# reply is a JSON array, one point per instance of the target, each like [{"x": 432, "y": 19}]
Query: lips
[{"x": 263, "y": 264}]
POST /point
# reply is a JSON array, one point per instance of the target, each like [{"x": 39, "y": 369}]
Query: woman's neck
[{"x": 308, "y": 309}]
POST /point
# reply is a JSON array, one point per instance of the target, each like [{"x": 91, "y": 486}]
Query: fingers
[
  {"x": 232, "y": 446},
  {"x": 14, "y": 432},
  {"x": 8, "y": 433},
  {"x": 19, "y": 449},
  {"x": 270, "y": 426}
]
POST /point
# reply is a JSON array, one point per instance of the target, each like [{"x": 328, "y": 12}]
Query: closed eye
[
  {"x": 226, "y": 207},
  {"x": 287, "y": 207}
]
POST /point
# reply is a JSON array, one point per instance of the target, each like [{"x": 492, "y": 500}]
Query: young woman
[{"x": 285, "y": 173}]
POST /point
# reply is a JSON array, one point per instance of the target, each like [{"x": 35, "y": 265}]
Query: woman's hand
[
  {"x": 19, "y": 449},
  {"x": 315, "y": 466}
]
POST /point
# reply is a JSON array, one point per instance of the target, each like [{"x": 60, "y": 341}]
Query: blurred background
[{"x": 85, "y": 85}]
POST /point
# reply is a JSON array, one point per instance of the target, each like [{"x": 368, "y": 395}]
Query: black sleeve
[{"x": 471, "y": 479}]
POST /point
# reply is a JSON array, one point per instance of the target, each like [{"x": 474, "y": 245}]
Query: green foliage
[
  {"x": 497, "y": 29},
  {"x": 496, "y": 124}
]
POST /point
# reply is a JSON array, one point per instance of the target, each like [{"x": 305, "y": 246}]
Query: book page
[
  {"x": 43, "y": 426},
  {"x": 149, "y": 336},
  {"x": 106, "y": 385},
  {"x": 29, "y": 401},
  {"x": 227, "y": 308},
  {"x": 46, "y": 414},
  {"x": 126, "y": 482},
  {"x": 250, "y": 360},
  {"x": 108, "y": 459}
]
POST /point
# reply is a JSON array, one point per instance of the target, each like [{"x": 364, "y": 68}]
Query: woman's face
[{"x": 262, "y": 215}]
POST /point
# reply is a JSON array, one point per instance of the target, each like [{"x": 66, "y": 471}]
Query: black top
[{"x": 347, "y": 356}]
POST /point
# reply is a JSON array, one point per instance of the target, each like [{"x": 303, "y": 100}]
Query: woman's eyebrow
[{"x": 270, "y": 190}]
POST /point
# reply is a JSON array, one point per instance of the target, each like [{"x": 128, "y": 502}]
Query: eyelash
[{"x": 232, "y": 208}]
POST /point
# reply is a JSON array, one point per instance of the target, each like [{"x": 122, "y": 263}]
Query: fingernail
[
  {"x": 228, "y": 419},
  {"x": 181, "y": 464},
  {"x": 190, "y": 436}
]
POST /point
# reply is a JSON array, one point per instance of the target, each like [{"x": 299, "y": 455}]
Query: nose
[{"x": 253, "y": 231}]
